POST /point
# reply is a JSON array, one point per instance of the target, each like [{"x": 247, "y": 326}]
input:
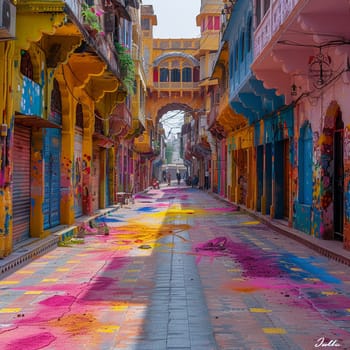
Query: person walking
[
  {"x": 178, "y": 177},
  {"x": 169, "y": 178},
  {"x": 206, "y": 180}
]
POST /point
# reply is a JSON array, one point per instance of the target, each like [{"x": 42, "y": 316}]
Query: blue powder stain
[
  {"x": 147, "y": 209},
  {"x": 107, "y": 219},
  {"x": 307, "y": 267}
]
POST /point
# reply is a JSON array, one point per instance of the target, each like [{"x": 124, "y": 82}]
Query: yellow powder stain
[
  {"x": 274, "y": 330},
  {"x": 296, "y": 269},
  {"x": 251, "y": 223},
  {"x": 348, "y": 310},
  {"x": 10, "y": 310},
  {"x": 329, "y": 293},
  {"x": 82, "y": 254},
  {"x": 121, "y": 307},
  {"x": 61, "y": 269},
  {"x": 73, "y": 261},
  {"x": 238, "y": 279},
  {"x": 8, "y": 282},
  {"x": 108, "y": 329},
  {"x": 49, "y": 280},
  {"x": 134, "y": 270},
  {"x": 34, "y": 292},
  {"x": 234, "y": 270},
  {"x": 256, "y": 309}
]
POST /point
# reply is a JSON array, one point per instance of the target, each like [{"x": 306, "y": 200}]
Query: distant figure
[
  {"x": 169, "y": 179},
  {"x": 178, "y": 177},
  {"x": 206, "y": 180},
  {"x": 164, "y": 176}
]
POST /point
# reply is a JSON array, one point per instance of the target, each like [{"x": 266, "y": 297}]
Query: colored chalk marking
[
  {"x": 129, "y": 280},
  {"x": 234, "y": 270},
  {"x": 49, "y": 280},
  {"x": 238, "y": 279},
  {"x": 274, "y": 330},
  {"x": 34, "y": 292},
  {"x": 251, "y": 223},
  {"x": 82, "y": 254},
  {"x": 296, "y": 269},
  {"x": 60, "y": 269},
  {"x": 136, "y": 270},
  {"x": 73, "y": 261},
  {"x": 8, "y": 310},
  {"x": 108, "y": 329},
  {"x": 8, "y": 282},
  {"x": 257, "y": 309}
]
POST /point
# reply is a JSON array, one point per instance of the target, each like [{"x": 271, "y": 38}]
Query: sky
[{"x": 176, "y": 18}]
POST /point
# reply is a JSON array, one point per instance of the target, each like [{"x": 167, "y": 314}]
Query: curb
[
  {"x": 37, "y": 247},
  {"x": 331, "y": 249}
]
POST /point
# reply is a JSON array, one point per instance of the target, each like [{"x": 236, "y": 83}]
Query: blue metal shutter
[
  {"x": 52, "y": 162},
  {"x": 21, "y": 184}
]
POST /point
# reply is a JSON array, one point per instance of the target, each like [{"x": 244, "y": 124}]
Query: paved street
[{"x": 179, "y": 269}]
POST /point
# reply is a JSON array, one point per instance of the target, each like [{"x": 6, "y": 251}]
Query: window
[
  {"x": 210, "y": 23},
  {"x": 155, "y": 74},
  {"x": 305, "y": 164},
  {"x": 249, "y": 35},
  {"x": 186, "y": 74},
  {"x": 242, "y": 46},
  {"x": 203, "y": 25},
  {"x": 236, "y": 57},
  {"x": 26, "y": 65},
  {"x": 258, "y": 12},
  {"x": 164, "y": 74},
  {"x": 145, "y": 24},
  {"x": 196, "y": 74},
  {"x": 217, "y": 23},
  {"x": 175, "y": 75}
]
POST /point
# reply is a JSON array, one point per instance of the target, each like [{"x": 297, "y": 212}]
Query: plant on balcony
[
  {"x": 127, "y": 67},
  {"x": 90, "y": 17}
]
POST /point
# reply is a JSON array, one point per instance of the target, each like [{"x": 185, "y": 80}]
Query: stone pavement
[{"x": 179, "y": 269}]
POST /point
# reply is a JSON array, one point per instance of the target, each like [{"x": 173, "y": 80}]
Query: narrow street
[{"x": 179, "y": 269}]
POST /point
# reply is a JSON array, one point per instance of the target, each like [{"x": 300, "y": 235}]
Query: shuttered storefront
[
  {"x": 21, "y": 184},
  {"x": 77, "y": 173},
  {"x": 52, "y": 157},
  {"x": 96, "y": 178}
]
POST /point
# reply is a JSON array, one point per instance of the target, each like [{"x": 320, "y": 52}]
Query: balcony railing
[
  {"x": 176, "y": 85},
  {"x": 271, "y": 22}
]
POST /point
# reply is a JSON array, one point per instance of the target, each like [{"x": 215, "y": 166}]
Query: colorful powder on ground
[{"x": 32, "y": 342}]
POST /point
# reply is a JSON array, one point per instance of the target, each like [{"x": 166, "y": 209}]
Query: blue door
[{"x": 52, "y": 163}]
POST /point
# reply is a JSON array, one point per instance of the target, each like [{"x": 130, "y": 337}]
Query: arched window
[
  {"x": 305, "y": 164},
  {"x": 164, "y": 74},
  {"x": 186, "y": 74},
  {"x": 175, "y": 75}
]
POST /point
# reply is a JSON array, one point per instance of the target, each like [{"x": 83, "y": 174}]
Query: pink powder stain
[
  {"x": 32, "y": 342},
  {"x": 58, "y": 301}
]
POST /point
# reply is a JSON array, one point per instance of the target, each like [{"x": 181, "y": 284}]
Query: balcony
[
  {"x": 176, "y": 86},
  {"x": 272, "y": 21}
]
